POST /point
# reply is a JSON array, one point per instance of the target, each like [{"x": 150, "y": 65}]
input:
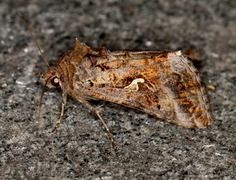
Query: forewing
[{"x": 163, "y": 84}]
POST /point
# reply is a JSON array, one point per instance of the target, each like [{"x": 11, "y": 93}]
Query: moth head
[{"x": 51, "y": 78}]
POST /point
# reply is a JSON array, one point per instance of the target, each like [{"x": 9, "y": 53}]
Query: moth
[{"x": 164, "y": 84}]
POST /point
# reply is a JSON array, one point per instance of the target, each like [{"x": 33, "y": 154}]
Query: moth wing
[{"x": 163, "y": 84}]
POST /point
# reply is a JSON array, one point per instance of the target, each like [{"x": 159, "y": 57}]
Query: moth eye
[{"x": 55, "y": 81}]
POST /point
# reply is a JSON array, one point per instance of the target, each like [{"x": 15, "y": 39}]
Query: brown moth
[{"x": 164, "y": 84}]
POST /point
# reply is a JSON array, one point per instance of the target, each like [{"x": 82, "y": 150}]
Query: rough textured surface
[{"x": 80, "y": 148}]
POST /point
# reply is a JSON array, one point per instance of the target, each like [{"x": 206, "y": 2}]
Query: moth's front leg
[{"x": 64, "y": 98}]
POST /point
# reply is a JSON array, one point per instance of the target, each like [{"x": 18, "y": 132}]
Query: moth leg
[
  {"x": 98, "y": 107},
  {"x": 59, "y": 121},
  {"x": 86, "y": 103},
  {"x": 104, "y": 124},
  {"x": 64, "y": 97},
  {"x": 104, "y": 41},
  {"x": 36, "y": 72},
  {"x": 108, "y": 131}
]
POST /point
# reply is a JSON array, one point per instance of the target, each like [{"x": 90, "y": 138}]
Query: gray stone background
[{"x": 80, "y": 148}]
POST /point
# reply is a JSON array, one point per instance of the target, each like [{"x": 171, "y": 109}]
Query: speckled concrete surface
[{"x": 80, "y": 148}]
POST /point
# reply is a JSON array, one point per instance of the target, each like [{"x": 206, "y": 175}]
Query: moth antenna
[
  {"x": 40, "y": 104},
  {"x": 34, "y": 39}
]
